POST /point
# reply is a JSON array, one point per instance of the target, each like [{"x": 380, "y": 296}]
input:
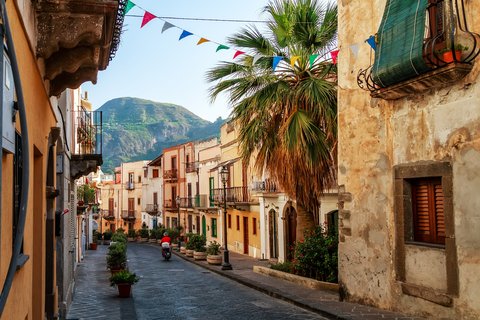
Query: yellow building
[{"x": 48, "y": 51}]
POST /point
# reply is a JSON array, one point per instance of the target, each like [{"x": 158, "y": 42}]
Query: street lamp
[
  {"x": 177, "y": 199},
  {"x": 226, "y": 263}
]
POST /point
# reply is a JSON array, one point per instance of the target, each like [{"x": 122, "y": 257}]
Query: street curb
[{"x": 269, "y": 291}]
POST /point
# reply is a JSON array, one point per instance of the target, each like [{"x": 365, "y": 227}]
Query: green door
[{"x": 204, "y": 226}]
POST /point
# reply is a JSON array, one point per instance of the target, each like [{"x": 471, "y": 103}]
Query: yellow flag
[
  {"x": 202, "y": 40},
  {"x": 293, "y": 60}
]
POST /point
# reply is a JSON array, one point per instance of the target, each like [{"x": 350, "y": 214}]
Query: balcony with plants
[
  {"x": 128, "y": 215},
  {"x": 151, "y": 209},
  {"x": 108, "y": 215},
  {"x": 418, "y": 47}
]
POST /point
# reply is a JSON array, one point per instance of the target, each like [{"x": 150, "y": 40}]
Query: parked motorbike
[{"x": 166, "y": 251}]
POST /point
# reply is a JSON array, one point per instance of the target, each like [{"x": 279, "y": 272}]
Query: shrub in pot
[
  {"x": 197, "y": 242},
  {"x": 119, "y": 237},
  {"x": 131, "y": 235},
  {"x": 117, "y": 257},
  {"x": 143, "y": 234},
  {"x": 213, "y": 253},
  {"x": 153, "y": 234},
  {"x": 107, "y": 236},
  {"x": 124, "y": 281}
]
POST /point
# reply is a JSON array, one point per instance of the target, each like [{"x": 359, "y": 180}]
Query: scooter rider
[
  {"x": 166, "y": 242},
  {"x": 166, "y": 238}
]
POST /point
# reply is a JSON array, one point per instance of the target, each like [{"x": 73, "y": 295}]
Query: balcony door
[
  {"x": 131, "y": 207},
  {"x": 245, "y": 235},
  {"x": 211, "y": 186},
  {"x": 110, "y": 206},
  {"x": 273, "y": 233}
]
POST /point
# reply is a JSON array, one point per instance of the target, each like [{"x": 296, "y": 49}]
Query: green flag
[
  {"x": 220, "y": 47},
  {"x": 129, "y": 6}
]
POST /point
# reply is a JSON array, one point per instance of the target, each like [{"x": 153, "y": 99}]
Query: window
[
  {"x": 238, "y": 222},
  {"x": 145, "y": 172},
  {"x": 155, "y": 173},
  {"x": 174, "y": 222},
  {"x": 138, "y": 201},
  {"x": 229, "y": 221},
  {"x": 139, "y": 179},
  {"x": 428, "y": 212},
  {"x": 254, "y": 225},
  {"x": 130, "y": 177},
  {"x": 214, "y": 227},
  {"x": 168, "y": 222}
]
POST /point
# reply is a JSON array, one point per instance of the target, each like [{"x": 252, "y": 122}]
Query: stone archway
[{"x": 290, "y": 231}]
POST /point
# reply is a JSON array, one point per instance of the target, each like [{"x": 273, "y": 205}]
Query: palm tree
[{"x": 287, "y": 116}]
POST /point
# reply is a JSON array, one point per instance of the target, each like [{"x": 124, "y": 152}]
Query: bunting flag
[
  {"x": 313, "y": 57},
  {"x": 147, "y": 17},
  {"x": 276, "y": 61},
  {"x": 167, "y": 26},
  {"x": 371, "y": 41},
  {"x": 202, "y": 40},
  {"x": 222, "y": 47},
  {"x": 238, "y": 53},
  {"x": 255, "y": 58},
  {"x": 293, "y": 60},
  {"x": 129, "y": 6},
  {"x": 334, "y": 55},
  {"x": 184, "y": 34},
  {"x": 354, "y": 48}
]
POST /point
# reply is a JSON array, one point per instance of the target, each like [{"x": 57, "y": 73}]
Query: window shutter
[
  {"x": 421, "y": 212},
  {"x": 439, "y": 213}
]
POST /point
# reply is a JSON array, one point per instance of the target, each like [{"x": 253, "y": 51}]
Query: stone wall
[{"x": 375, "y": 137}]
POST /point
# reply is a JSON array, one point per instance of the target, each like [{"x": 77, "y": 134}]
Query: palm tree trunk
[{"x": 305, "y": 221}]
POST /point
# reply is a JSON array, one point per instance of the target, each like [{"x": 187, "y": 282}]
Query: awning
[{"x": 225, "y": 163}]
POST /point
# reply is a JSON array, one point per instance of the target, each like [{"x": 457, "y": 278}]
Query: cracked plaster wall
[{"x": 374, "y": 136}]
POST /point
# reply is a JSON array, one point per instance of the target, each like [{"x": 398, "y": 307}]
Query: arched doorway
[
  {"x": 290, "y": 231},
  {"x": 273, "y": 233}
]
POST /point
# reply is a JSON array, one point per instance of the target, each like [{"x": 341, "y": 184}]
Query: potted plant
[
  {"x": 117, "y": 257},
  {"x": 107, "y": 236},
  {"x": 199, "y": 249},
  {"x": 131, "y": 235},
  {"x": 143, "y": 234},
  {"x": 152, "y": 237},
  {"x": 99, "y": 238},
  {"x": 213, "y": 253},
  {"x": 189, "y": 248},
  {"x": 93, "y": 244},
  {"x": 124, "y": 281},
  {"x": 447, "y": 54},
  {"x": 119, "y": 237}
]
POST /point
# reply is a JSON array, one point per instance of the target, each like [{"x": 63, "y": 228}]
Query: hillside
[{"x": 138, "y": 129}]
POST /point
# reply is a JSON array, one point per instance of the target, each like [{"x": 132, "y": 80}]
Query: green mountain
[{"x": 137, "y": 129}]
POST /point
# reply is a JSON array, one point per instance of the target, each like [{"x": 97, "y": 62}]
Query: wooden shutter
[{"x": 428, "y": 211}]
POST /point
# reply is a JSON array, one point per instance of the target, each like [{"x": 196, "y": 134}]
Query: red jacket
[{"x": 166, "y": 239}]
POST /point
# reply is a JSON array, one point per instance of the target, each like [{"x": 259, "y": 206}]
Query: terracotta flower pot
[
  {"x": 93, "y": 246},
  {"x": 124, "y": 290},
  {"x": 189, "y": 253},
  {"x": 448, "y": 56},
  {"x": 215, "y": 259},
  {"x": 183, "y": 250},
  {"x": 197, "y": 255}
]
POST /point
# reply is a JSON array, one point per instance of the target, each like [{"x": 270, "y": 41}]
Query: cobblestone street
[{"x": 175, "y": 289}]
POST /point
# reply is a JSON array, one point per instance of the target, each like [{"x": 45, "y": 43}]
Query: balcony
[
  {"x": 128, "y": 215},
  {"x": 108, "y": 215},
  {"x": 201, "y": 201},
  {"x": 129, "y": 185},
  {"x": 408, "y": 62},
  {"x": 191, "y": 167},
  {"x": 170, "y": 205},
  {"x": 265, "y": 186},
  {"x": 170, "y": 175},
  {"x": 151, "y": 209},
  {"x": 76, "y": 39},
  {"x": 87, "y": 152},
  {"x": 187, "y": 202},
  {"x": 234, "y": 195}
]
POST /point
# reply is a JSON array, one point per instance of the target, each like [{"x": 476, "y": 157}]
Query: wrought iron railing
[
  {"x": 234, "y": 194},
  {"x": 191, "y": 167},
  {"x": 169, "y": 204},
  {"x": 201, "y": 201},
  {"x": 170, "y": 174},
  {"x": 128, "y": 214},
  {"x": 187, "y": 202},
  {"x": 108, "y": 214},
  {"x": 129, "y": 185},
  {"x": 266, "y": 185},
  {"x": 151, "y": 208},
  {"x": 88, "y": 133}
]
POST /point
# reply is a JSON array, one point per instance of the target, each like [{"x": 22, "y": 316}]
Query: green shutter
[{"x": 399, "y": 53}]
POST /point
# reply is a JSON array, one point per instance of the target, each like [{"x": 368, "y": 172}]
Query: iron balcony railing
[
  {"x": 151, "y": 208},
  {"x": 88, "y": 129},
  {"x": 169, "y": 204},
  {"x": 234, "y": 194},
  {"x": 129, "y": 185},
  {"x": 187, "y": 202},
  {"x": 170, "y": 174},
  {"x": 191, "y": 167},
  {"x": 201, "y": 201},
  {"x": 128, "y": 214},
  {"x": 266, "y": 185},
  {"x": 108, "y": 214}
]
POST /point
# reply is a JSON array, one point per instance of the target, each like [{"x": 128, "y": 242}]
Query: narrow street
[{"x": 175, "y": 289}]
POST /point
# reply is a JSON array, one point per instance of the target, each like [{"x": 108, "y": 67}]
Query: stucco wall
[{"x": 374, "y": 136}]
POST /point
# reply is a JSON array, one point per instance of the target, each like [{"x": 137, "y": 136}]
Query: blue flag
[{"x": 371, "y": 42}]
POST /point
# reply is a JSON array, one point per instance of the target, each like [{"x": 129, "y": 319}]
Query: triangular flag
[
  {"x": 276, "y": 61},
  {"x": 202, "y": 40},
  {"x": 129, "y": 6},
  {"x": 293, "y": 60},
  {"x": 371, "y": 42},
  {"x": 256, "y": 57},
  {"x": 147, "y": 17},
  {"x": 354, "y": 48},
  {"x": 238, "y": 53},
  {"x": 184, "y": 34},
  {"x": 334, "y": 55},
  {"x": 313, "y": 57},
  {"x": 167, "y": 26},
  {"x": 221, "y": 47}
]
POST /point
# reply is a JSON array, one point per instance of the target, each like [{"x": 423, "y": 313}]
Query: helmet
[{"x": 165, "y": 234}]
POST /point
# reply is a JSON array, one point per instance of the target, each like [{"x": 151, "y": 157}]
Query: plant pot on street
[
  {"x": 143, "y": 239},
  {"x": 215, "y": 259},
  {"x": 93, "y": 246},
  {"x": 189, "y": 253},
  {"x": 124, "y": 290},
  {"x": 198, "y": 255},
  {"x": 152, "y": 240},
  {"x": 183, "y": 250}
]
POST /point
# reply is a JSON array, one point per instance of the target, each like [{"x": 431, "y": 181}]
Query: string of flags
[{"x": 148, "y": 16}]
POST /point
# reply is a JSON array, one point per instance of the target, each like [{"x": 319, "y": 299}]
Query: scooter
[{"x": 166, "y": 252}]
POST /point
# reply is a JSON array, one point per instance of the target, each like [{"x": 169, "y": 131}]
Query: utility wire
[{"x": 202, "y": 19}]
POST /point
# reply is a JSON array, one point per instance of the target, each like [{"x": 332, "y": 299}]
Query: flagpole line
[{"x": 201, "y": 19}]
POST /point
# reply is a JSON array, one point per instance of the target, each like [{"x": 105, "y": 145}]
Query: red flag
[
  {"x": 147, "y": 17},
  {"x": 334, "y": 55},
  {"x": 238, "y": 53}
]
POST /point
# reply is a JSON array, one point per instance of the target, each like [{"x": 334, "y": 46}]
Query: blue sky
[{"x": 157, "y": 66}]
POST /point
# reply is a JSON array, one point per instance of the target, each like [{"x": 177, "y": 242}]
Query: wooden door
[
  {"x": 273, "y": 233},
  {"x": 131, "y": 207},
  {"x": 245, "y": 235},
  {"x": 198, "y": 224},
  {"x": 290, "y": 232},
  {"x": 204, "y": 226}
]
